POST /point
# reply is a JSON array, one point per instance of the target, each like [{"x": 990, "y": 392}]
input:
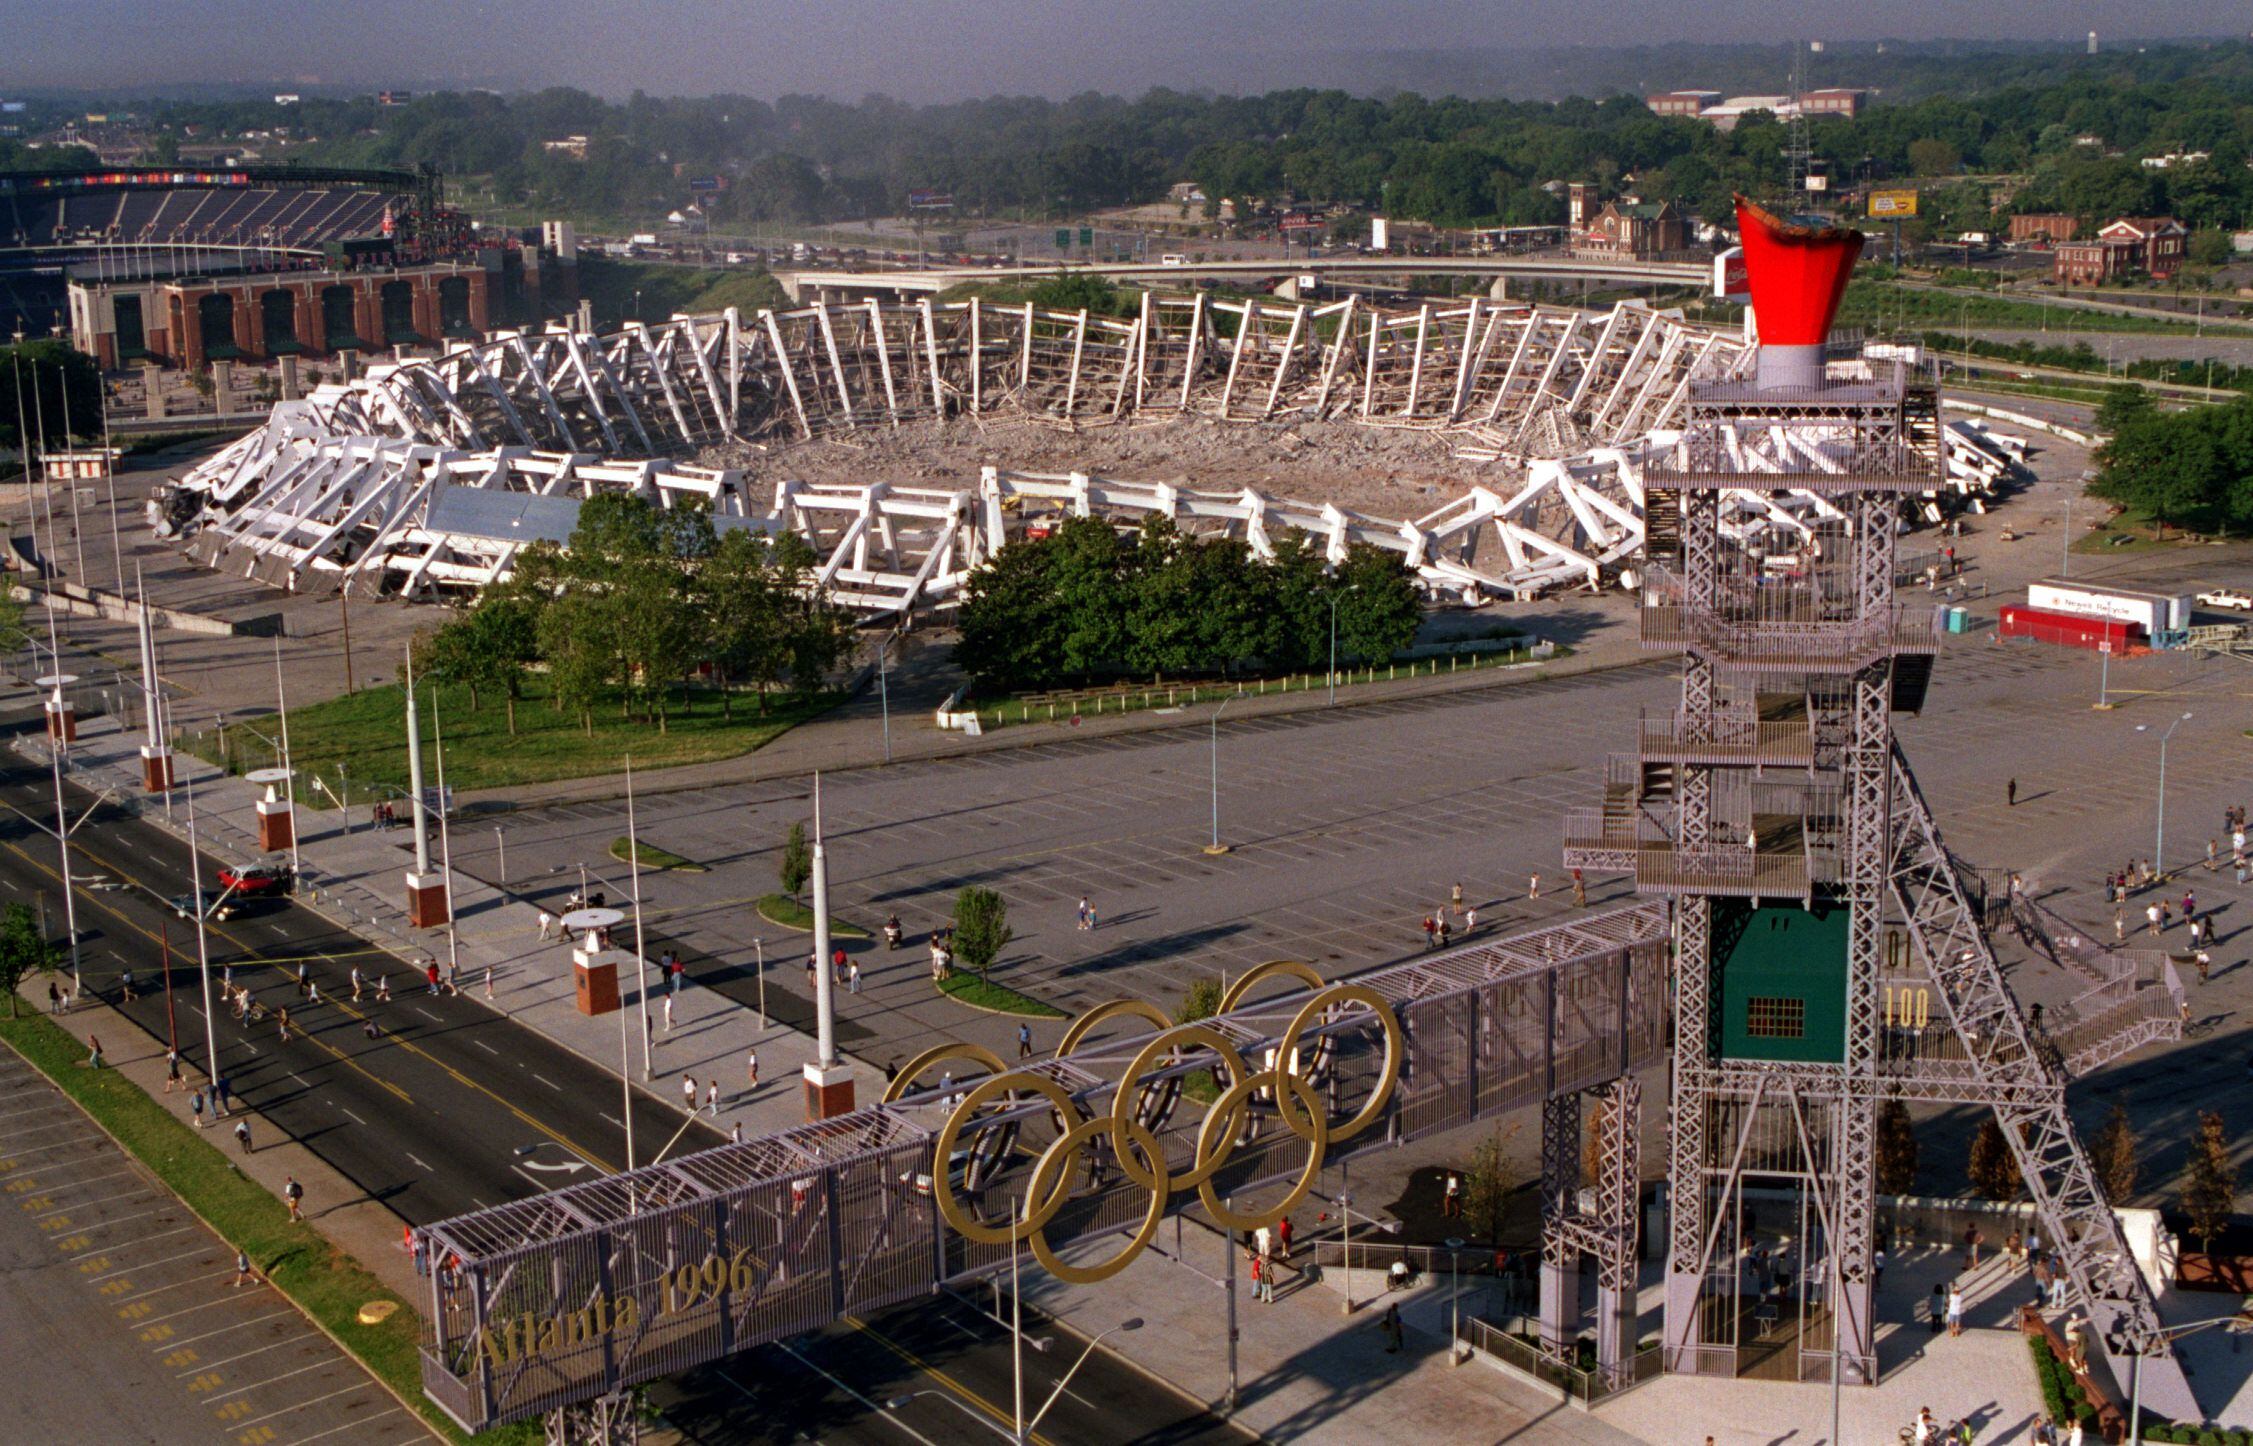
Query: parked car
[
  {"x": 2225, "y": 597},
  {"x": 257, "y": 880},
  {"x": 216, "y": 905}
]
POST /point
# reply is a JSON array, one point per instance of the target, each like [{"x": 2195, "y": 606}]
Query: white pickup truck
[{"x": 2226, "y": 597}]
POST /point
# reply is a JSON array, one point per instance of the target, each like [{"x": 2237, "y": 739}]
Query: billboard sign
[
  {"x": 1731, "y": 281},
  {"x": 927, "y": 200},
  {"x": 1893, "y": 205}
]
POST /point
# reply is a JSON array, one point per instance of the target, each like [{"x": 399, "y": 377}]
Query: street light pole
[
  {"x": 641, "y": 949},
  {"x": 203, "y": 947},
  {"x": 1216, "y": 846},
  {"x": 2159, "y": 843},
  {"x": 62, "y": 819},
  {"x": 281, "y": 702}
]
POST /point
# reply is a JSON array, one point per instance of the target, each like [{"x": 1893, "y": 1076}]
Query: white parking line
[
  {"x": 203, "y": 1366},
  {"x": 353, "y": 1424},
  {"x": 355, "y": 1118},
  {"x": 207, "y": 1335},
  {"x": 418, "y": 1160},
  {"x": 102, "y": 1249},
  {"x": 361, "y": 1385},
  {"x": 543, "y": 1079},
  {"x": 481, "y": 1044},
  {"x": 147, "y": 1265},
  {"x": 191, "y": 1280},
  {"x": 270, "y": 1380}
]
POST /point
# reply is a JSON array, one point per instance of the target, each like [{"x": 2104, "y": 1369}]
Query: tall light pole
[
  {"x": 2237, "y": 1325},
  {"x": 1335, "y": 595},
  {"x": 1216, "y": 846},
  {"x": 641, "y": 949},
  {"x": 445, "y": 846},
  {"x": 2159, "y": 843},
  {"x": 203, "y": 947},
  {"x": 281, "y": 704},
  {"x": 57, "y": 721}
]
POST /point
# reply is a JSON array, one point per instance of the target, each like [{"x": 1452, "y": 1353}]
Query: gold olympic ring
[
  {"x": 1283, "y": 1082},
  {"x": 1051, "y": 1175},
  {"x": 1140, "y": 1153},
  {"x": 1038, "y": 1213},
  {"x": 1138, "y": 1008},
  {"x": 1122, "y": 1117},
  {"x": 1395, "y": 1046},
  {"x": 939, "y": 1054},
  {"x": 1290, "y": 968}
]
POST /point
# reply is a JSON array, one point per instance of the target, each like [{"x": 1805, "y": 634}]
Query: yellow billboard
[{"x": 1893, "y": 204}]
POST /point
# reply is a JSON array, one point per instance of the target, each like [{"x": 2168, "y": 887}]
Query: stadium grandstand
[{"x": 169, "y": 221}]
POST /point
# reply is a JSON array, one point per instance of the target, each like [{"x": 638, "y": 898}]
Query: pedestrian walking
[
  {"x": 1283, "y": 1238},
  {"x": 242, "y": 1135},
  {"x": 313, "y": 992},
  {"x": 2034, "y": 1016},
  {"x": 1024, "y": 1041},
  {"x": 837, "y": 965},
  {"x": 2010, "y": 792},
  {"x": 55, "y": 997},
  {"x": 1445, "y": 933},
  {"x": 356, "y": 980},
  {"x": 1470, "y": 920},
  {"x": 2205, "y": 963},
  {"x": 172, "y": 1071},
  {"x": 488, "y": 981},
  {"x": 2213, "y": 854},
  {"x": 1973, "y": 1239},
  {"x": 94, "y": 1054},
  {"x": 668, "y": 1014},
  {"x": 2012, "y": 1246},
  {"x": 1451, "y": 1197},
  {"x": 418, "y": 1250},
  {"x": 1938, "y": 1311},
  {"x": 294, "y": 1193},
  {"x": 751, "y": 1069},
  {"x": 281, "y": 1017},
  {"x": 2197, "y": 931},
  {"x": 2033, "y": 1244},
  {"x": 1431, "y": 932},
  {"x": 1455, "y": 896},
  {"x": 547, "y": 925},
  {"x": 222, "y": 1089},
  {"x": 669, "y": 965},
  {"x": 688, "y": 1093},
  {"x": 1084, "y": 914},
  {"x": 853, "y": 977},
  {"x": 430, "y": 974},
  {"x": 1533, "y": 887},
  {"x": 1579, "y": 890},
  {"x": 1877, "y": 1269},
  {"x": 383, "y": 987},
  {"x": 125, "y": 987},
  {"x": 712, "y": 1098},
  {"x": 2119, "y": 927},
  {"x": 1263, "y": 1280},
  {"x": 2151, "y": 914},
  {"x": 243, "y": 1271},
  {"x": 813, "y": 971},
  {"x": 1955, "y": 1310},
  {"x": 304, "y": 976},
  {"x": 195, "y": 1107},
  {"x": 1391, "y": 1327}
]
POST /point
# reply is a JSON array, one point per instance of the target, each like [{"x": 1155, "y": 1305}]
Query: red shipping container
[{"x": 2071, "y": 630}]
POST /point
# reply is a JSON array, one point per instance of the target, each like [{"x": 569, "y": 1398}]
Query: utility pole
[{"x": 641, "y": 948}]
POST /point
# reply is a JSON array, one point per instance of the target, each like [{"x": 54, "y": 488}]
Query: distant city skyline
[{"x": 938, "y": 50}]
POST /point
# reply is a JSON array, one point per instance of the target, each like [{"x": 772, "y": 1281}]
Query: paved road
[
  {"x": 948, "y": 1365},
  {"x": 122, "y": 1316},
  {"x": 429, "y": 1117}
]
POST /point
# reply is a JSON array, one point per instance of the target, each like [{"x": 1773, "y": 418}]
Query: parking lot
[{"x": 122, "y": 1307}]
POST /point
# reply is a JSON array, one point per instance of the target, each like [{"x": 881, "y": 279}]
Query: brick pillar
[
  {"x": 309, "y": 331},
  {"x": 479, "y": 313},
  {"x": 367, "y": 314},
  {"x": 249, "y": 335},
  {"x": 426, "y": 307},
  {"x": 190, "y": 332}
]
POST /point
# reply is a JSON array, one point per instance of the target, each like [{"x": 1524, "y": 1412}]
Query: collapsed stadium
[{"x": 424, "y": 479}]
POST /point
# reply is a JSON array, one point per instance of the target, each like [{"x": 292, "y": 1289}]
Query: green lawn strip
[
  {"x": 653, "y": 857},
  {"x": 356, "y": 744},
  {"x": 787, "y": 912},
  {"x": 323, "y": 1281},
  {"x": 1008, "y": 709},
  {"x": 966, "y": 988}
]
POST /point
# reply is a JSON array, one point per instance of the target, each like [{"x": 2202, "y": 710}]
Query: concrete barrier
[{"x": 86, "y": 602}]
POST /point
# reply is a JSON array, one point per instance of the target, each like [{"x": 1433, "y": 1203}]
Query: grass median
[
  {"x": 323, "y": 1281},
  {"x": 355, "y": 746},
  {"x": 781, "y": 909},
  {"x": 967, "y": 988}
]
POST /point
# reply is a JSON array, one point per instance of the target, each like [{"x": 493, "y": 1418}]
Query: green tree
[
  {"x": 797, "y": 864},
  {"x": 2113, "y": 1156},
  {"x": 2211, "y": 247},
  {"x": 1487, "y": 1187},
  {"x": 1201, "y": 1000},
  {"x": 741, "y": 608},
  {"x": 1896, "y": 1150},
  {"x": 59, "y": 382},
  {"x": 1379, "y": 608},
  {"x": 24, "y": 951},
  {"x": 1934, "y": 157},
  {"x": 1993, "y": 1168},
  {"x": 2124, "y": 404},
  {"x": 981, "y": 927},
  {"x": 2209, "y": 1191}
]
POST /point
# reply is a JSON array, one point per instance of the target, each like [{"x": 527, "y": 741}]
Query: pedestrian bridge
[{"x": 574, "y": 1295}]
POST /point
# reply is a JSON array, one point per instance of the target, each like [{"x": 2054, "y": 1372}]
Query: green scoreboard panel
[{"x": 1779, "y": 982}]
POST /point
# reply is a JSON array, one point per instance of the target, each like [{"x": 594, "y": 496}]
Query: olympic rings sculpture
[{"x": 1127, "y": 1137}]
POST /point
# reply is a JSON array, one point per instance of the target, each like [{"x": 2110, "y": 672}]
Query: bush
[{"x": 2209, "y": 1438}]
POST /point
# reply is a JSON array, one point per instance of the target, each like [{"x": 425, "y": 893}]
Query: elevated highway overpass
[{"x": 804, "y": 283}]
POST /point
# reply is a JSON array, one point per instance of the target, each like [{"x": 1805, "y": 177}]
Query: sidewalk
[{"x": 357, "y": 879}]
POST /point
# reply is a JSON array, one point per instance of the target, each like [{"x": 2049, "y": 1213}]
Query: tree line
[
  {"x": 1088, "y": 603},
  {"x": 2191, "y": 469},
  {"x": 637, "y": 602},
  {"x": 1447, "y": 160}
]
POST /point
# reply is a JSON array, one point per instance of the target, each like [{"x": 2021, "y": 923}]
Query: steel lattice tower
[{"x": 1827, "y": 953}]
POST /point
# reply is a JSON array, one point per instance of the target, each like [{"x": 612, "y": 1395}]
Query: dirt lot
[{"x": 1382, "y": 472}]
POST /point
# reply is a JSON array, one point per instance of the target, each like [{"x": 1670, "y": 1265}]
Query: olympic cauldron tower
[{"x": 1828, "y": 956}]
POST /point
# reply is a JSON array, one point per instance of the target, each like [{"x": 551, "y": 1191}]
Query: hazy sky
[{"x": 937, "y": 49}]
